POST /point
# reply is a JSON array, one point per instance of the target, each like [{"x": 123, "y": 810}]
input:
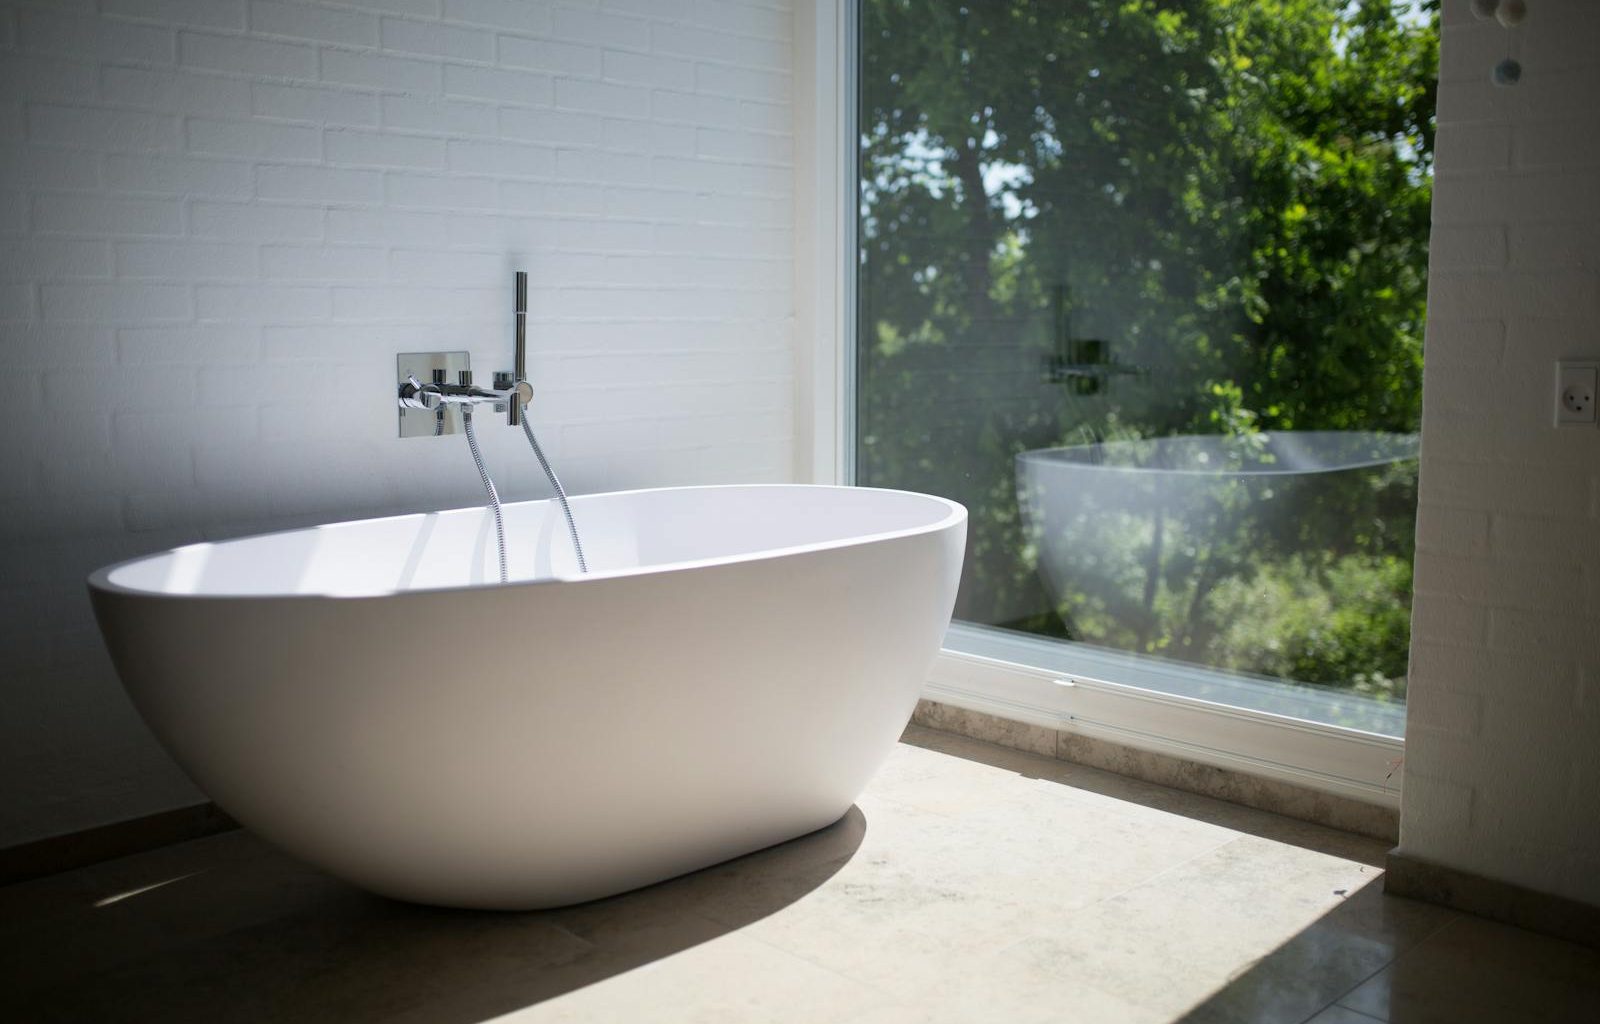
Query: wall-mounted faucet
[
  {"x": 427, "y": 395},
  {"x": 440, "y": 394},
  {"x": 440, "y": 407}
]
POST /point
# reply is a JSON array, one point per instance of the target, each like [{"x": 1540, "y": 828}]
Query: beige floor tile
[
  {"x": 1020, "y": 982},
  {"x": 908, "y": 906},
  {"x": 727, "y": 978},
  {"x": 932, "y": 780},
  {"x": 1473, "y": 970},
  {"x": 926, "y": 889},
  {"x": 1340, "y": 1015},
  {"x": 1194, "y": 939},
  {"x": 901, "y": 1013},
  {"x": 735, "y": 893},
  {"x": 361, "y": 958},
  {"x": 970, "y": 884},
  {"x": 1316, "y": 965},
  {"x": 1093, "y": 785},
  {"x": 133, "y": 909}
]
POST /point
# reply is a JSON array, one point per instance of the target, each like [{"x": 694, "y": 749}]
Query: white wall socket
[{"x": 1577, "y": 388}]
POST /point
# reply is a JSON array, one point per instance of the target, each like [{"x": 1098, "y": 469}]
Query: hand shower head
[{"x": 519, "y": 365}]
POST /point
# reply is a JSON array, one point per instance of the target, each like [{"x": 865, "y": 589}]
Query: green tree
[{"x": 1231, "y": 195}]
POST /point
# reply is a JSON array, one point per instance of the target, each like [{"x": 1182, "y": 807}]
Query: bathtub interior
[{"x": 623, "y": 532}]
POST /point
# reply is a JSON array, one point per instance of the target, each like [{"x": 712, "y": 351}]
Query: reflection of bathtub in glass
[{"x": 1164, "y": 546}]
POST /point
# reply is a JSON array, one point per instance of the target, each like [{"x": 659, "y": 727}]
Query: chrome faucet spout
[{"x": 416, "y": 395}]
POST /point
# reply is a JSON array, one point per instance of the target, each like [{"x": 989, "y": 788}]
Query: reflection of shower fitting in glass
[{"x": 1083, "y": 364}]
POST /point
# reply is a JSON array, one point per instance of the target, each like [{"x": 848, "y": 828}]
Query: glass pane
[{"x": 1142, "y": 285}]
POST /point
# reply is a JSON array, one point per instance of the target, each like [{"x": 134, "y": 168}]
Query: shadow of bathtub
[{"x": 231, "y": 930}]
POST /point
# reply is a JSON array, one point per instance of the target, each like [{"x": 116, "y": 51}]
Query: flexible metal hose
[
  {"x": 488, "y": 485},
  {"x": 555, "y": 485}
]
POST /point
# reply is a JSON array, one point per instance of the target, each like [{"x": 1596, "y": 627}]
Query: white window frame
[
  {"x": 1005, "y": 680},
  {"x": 825, "y": 240}
]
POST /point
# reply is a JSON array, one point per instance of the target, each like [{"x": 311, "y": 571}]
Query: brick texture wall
[
  {"x": 1503, "y": 728},
  {"x": 221, "y": 219}
]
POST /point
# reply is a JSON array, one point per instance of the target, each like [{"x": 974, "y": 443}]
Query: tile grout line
[
  {"x": 1339, "y": 1001},
  {"x": 893, "y": 999},
  {"x": 1358, "y": 1013},
  {"x": 1171, "y": 868}
]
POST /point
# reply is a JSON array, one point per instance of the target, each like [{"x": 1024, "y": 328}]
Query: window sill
[{"x": 1346, "y": 745}]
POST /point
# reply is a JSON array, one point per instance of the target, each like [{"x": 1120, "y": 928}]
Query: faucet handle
[{"x": 416, "y": 395}]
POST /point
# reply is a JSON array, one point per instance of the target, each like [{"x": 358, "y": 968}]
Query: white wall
[
  {"x": 220, "y": 220},
  {"x": 1503, "y": 728}
]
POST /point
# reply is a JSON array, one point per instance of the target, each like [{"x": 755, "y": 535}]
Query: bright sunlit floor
[{"x": 970, "y": 883}]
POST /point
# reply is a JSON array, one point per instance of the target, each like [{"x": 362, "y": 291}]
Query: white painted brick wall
[
  {"x": 1503, "y": 726},
  {"x": 220, "y": 220}
]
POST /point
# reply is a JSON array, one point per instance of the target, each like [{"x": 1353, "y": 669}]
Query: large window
[{"x": 1141, "y": 283}]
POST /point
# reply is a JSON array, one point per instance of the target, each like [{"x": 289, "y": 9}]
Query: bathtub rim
[
  {"x": 99, "y": 580},
  {"x": 1041, "y": 457}
]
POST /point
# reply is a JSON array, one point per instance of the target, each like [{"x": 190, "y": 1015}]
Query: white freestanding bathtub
[{"x": 732, "y": 671}]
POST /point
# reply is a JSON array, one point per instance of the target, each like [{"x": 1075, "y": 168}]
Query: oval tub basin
[{"x": 729, "y": 675}]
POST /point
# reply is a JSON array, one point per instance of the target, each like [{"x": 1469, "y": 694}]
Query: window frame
[{"x": 1009, "y": 679}]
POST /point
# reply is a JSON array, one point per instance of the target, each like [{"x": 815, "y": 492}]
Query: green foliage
[
  {"x": 1343, "y": 623},
  {"x": 1232, "y": 194}
]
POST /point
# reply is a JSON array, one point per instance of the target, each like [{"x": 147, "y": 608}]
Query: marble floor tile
[
  {"x": 1472, "y": 970},
  {"x": 1340, "y": 1015},
  {"x": 1015, "y": 983},
  {"x": 1362, "y": 934},
  {"x": 1191, "y": 941},
  {"x": 727, "y": 978},
  {"x": 930, "y": 779},
  {"x": 1092, "y": 784},
  {"x": 971, "y": 883}
]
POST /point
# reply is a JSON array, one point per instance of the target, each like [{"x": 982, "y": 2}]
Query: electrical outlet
[{"x": 1577, "y": 388}]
